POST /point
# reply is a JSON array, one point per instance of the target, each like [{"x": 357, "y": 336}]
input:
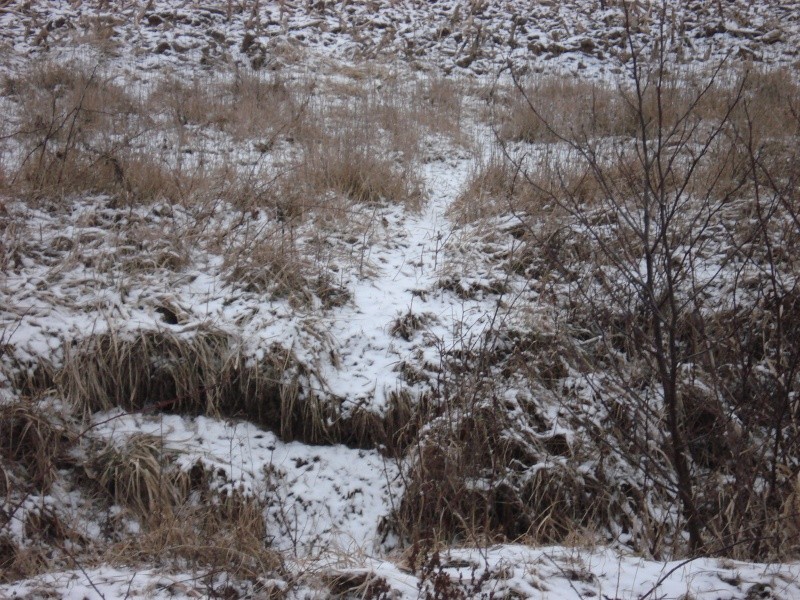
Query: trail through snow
[{"x": 409, "y": 258}]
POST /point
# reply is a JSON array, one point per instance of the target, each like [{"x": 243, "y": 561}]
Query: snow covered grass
[{"x": 285, "y": 324}]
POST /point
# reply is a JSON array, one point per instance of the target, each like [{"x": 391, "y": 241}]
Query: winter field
[{"x": 403, "y": 299}]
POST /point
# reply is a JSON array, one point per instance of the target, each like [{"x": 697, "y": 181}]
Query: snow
[
  {"x": 409, "y": 260},
  {"x": 322, "y": 499},
  {"x": 550, "y": 573}
]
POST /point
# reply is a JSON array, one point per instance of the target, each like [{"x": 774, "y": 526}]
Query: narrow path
[{"x": 409, "y": 257}]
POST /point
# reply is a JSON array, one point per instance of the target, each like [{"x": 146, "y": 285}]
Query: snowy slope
[{"x": 418, "y": 286}]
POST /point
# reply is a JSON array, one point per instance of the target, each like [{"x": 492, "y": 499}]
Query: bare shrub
[{"x": 684, "y": 225}]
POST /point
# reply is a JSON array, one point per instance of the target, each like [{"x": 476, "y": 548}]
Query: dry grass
[
  {"x": 107, "y": 371},
  {"x": 139, "y": 476},
  {"x": 205, "y": 373},
  {"x": 202, "y": 373},
  {"x": 473, "y": 480},
  {"x": 356, "y": 170},
  {"x": 494, "y": 187},
  {"x": 267, "y": 260},
  {"x": 65, "y": 111},
  {"x": 245, "y": 104},
  {"x": 348, "y": 584},
  {"x": 438, "y": 106},
  {"x": 21, "y": 563},
  {"x": 184, "y": 523},
  {"x": 364, "y": 149},
  {"x": 594, "y": 109},
  {"x": 312, "y": 163},
  {"x": 34, "y": 437},
  {"x": 221, "y": 535},
  {"x": 80, "y": 132},
  {"x": 598, "y": 110},
  {"x": 481, "y": 466}
]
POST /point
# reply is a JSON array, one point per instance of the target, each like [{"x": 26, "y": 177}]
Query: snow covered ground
[
  {"x": 497, "y": 572},
  {"x": 81, "y": 269}
]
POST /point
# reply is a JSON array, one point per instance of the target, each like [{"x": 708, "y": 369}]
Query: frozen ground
[{"x": 326, "y": 504}]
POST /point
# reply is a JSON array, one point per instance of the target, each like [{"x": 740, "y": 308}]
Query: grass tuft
[
  {"x": 139, "y": 476},
  {"x": 36, "y": 439}
]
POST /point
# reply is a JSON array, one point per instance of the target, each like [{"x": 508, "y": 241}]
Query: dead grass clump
[
  {"x": 269, "y": 262},
  {"x": 183, "y": 522},
  {"x": 198, "y": 374},
  {"x": 247, "y": 105},
  {"x": 139, "y": 475},
  {"x": 771, "y": 105},
  {"x": 18, "y": 562},
  {"x": 150, "y": 368},
  {"x": 744, "y": 524},
  {"x": 71, "y": 89},
  {"x": 33, "y": 436},
  {"x": 598, "y": 110},
  {"x": 438, "y": 105},
  {"x": 78, "y": 134},
  {"x": 135, "y": 177},
  {"x": 594, "y": 109},
  {"x": 356, "y": 584},
  {"x": 198, "y": 102},
  {"x": 222, "y": 534},
  {"x": 127, "y": 176},
  {"x": 470, "y": 289},
  {"x": 359, "y": 171},
  {"x": 33, "y": 534},
  {"x": 205, "y": 374},
  {"x": 408, "y": 324},
  {"x": 391, "y": 431},
  {"x": 66, "y": 115},
  {"x": 362, "y": 144},
  {"x": 493, "y": 188},
  {"x": 768, "y": 97},
  {"x": 559, "y": 185}
]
